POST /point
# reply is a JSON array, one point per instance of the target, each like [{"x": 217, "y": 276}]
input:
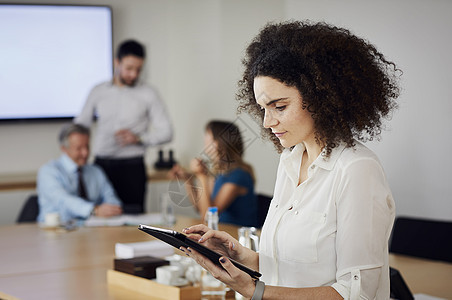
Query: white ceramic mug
[
  {"x": 52, "y": 219},
  {"x": 168, "y": 275}
]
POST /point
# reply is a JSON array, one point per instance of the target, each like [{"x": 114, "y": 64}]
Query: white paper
[
  {"x": 154, "y": 219},
  {"x": 154, "y": 248},
  {"x": 426, "y": 297}
]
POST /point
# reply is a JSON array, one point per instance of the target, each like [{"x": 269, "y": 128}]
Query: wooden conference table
[
  {"x": 45, "y": 264},
  {"x": 36, "y": 263}
]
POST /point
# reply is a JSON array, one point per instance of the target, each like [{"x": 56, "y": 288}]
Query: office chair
[
  {"x": 399, "y": 289},
  {"x": 30, "y": 210},
  {"x": 262, "y": 206},
  {"x": 422, "y": 238}
]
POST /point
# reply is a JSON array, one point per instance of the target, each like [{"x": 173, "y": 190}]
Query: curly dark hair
[{"x": 345, "y": 83}]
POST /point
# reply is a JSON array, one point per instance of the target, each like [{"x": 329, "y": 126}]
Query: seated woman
[{"x": 226, "y": 181}]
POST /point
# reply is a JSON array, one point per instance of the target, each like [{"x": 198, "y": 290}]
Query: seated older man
[{"x": 70, "y": 186}]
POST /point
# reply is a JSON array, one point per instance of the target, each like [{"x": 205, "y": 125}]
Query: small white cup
[
  {"x": 52, "y": 219},
  {"x": 193, "y": 273},
  {"x": 181, "y": 262},
  {"x": 168, "y": 275}
]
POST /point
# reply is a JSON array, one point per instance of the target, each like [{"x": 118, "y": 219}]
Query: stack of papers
[
  {"x": 155, "y": 248},
  {"x": 154, "y": 219},
  {"x": 426, "y": 297}
]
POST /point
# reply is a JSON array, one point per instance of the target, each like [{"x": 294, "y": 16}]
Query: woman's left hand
[{"x": 229, "y": 274}]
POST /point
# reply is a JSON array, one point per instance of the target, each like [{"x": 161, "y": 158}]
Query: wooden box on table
[{"x": 152, "y": 288}]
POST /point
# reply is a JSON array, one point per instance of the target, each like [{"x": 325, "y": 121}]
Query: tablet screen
[{"x": 177, "y": 239}]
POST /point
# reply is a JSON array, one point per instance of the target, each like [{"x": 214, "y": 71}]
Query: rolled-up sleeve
[{"x": 365, "y": 213}]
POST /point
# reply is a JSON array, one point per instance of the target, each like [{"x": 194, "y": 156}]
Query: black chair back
[
  {"x": 263, "y": 206},
  {"x": 399, "y": 289},
  {"x": 423, "y": 238},
  {"x": 30, "y": 210}
]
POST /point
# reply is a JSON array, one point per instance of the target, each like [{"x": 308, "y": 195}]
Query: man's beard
[{"x": 121, "y": 79}]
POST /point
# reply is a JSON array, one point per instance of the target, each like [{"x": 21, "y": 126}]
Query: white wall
[{"x": 195, "y": 48}]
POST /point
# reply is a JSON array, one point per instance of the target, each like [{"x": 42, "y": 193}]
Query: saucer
[{"x": 181, "y": 282}]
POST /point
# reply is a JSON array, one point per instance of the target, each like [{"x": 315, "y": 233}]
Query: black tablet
[{"x": 177, "y": 239}]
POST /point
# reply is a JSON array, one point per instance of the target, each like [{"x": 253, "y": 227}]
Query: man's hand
[
  {"x": 126, "y": 137},
  {"x": 107, "y": 210}
]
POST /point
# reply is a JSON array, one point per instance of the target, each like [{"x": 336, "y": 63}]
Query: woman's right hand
[
  {"x": 219, "y": 241},
  {"x": 198, "y": 167},
  {"x": 177, "y": 172}
]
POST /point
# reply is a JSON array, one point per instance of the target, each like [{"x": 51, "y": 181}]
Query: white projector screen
[{"x": 51, "y": 56}]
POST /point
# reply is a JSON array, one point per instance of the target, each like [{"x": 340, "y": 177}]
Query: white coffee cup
[
  {"x": 168, "y": 275},
  {"x": 52, "y": 219}
]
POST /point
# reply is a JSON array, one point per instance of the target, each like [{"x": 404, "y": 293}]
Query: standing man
[
  {"x": 130, "y": 117},
  {"x": 70, "y": 186}
]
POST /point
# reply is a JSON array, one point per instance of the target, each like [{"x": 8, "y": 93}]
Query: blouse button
[
  {"x": 290, "y": 208},
  {"x": 276, "y": 206},
  {"x": 296, "y": 212},
  {"x": 313, "y": 167},
  {"x": 356, "y": 277}
]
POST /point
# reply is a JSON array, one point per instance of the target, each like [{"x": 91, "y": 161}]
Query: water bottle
[
  {"x": 211, "y": 288},
  {"x": 166, "y": 209},
  {"x": 212, "y": 217}
]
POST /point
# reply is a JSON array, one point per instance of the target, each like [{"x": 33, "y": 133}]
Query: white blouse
[{"x": 333, "y": 229}]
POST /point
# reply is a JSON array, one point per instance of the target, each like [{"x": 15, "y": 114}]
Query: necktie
[{"x": 81, "y": 184}]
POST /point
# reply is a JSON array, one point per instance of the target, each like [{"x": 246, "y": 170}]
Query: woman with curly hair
[{"x": 318, "y": 91}]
